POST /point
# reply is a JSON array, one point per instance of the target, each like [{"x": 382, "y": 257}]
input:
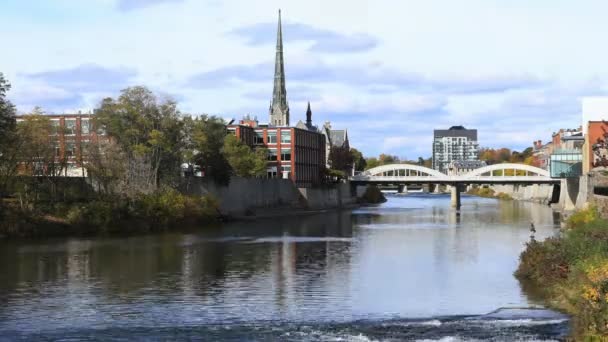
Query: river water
[{"x": 409, "y": 269}]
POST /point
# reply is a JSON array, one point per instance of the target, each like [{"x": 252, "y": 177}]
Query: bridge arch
[
  {"x": 508, "y": 166},
  {"x": 405, "y": 170}
]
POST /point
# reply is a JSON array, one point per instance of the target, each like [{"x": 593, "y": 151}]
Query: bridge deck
[{"x": 454, "y": 179}]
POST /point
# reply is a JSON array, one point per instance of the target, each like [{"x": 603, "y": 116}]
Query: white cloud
[{"x": 513, "y": 70}]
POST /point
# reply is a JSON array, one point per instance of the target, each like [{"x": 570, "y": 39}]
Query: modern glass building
[{"x": 566, "y": 163}]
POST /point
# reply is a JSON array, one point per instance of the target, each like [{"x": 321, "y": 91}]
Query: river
[{"x": 409, "y": 269}]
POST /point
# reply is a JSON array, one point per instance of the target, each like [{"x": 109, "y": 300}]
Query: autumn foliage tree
[{"x": 505, "y": 155}]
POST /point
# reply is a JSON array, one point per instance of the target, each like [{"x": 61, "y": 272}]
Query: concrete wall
[
  {"x": 248, "y": 196},
  {"x": 538, "y": 193},
  {"x": 335, "y": 197},
  {"x": 243, "y": 196},
  {"x": 578, "y": 193},
  {"x": 598, "y": 180}
]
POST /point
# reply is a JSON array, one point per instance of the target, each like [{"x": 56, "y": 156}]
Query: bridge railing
[{"x": 454, "y": 179}]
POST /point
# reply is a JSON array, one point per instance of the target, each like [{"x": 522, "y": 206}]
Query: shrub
[
  {"x": 503, "y": 196},
  {"x": 583, "y": 217},
  {"x": 372, "y": 195},
  {"x": 572, "y": 270}
]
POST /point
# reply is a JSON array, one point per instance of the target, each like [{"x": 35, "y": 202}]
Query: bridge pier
[
  {"x": 455, "y": 190},
  {"x": 401, "y": 188}
]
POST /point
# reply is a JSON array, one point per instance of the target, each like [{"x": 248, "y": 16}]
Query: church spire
[
  {"x": 308, "y": 116},
  {"x": 279, "y": 109}
]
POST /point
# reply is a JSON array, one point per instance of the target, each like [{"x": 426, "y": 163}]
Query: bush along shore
[
  {"x": 488, "y": 193},
  {"x": 161, "y": 210},
  {"x": 570, "y": 272},
  {"x": 372, "y": 195}
]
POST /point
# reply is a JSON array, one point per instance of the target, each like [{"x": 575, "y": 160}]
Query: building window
[
  {"x": 286, "y": 170},
  {"x": 54, "y": 127},
  {"x": 285, "y": 137},
  {"x": 285, "y": 154},
  {"x": 84, "y": 126},
  {"x": 57, "y": 151},
  {"x": 271, "y": 172},
  {"x": 70, "y": 126},
  {"x": 258, "y": 138},
  {"x": 70, "y": 150},
  {"x": 272, "y": 154},
  {"x": 85, "y": 148},
  {"x": 272, "y": 137}
]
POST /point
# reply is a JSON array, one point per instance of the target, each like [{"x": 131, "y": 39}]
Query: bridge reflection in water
[{"x": 404, "y": 174}]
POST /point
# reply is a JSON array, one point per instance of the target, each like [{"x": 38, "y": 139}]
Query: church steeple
[
  {"x": 309, "y": 116},
  {"x": 279, "y": 109}
]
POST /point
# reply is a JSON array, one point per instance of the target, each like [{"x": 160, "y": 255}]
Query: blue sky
[{"x": 389, "y": 71}]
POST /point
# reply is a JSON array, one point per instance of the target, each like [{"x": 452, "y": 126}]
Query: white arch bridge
[
  {"x": 404, "y": 174},
  {"x": 493, "y": 174}
]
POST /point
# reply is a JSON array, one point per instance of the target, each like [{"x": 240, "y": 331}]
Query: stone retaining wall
[{"x": 246, "y": 196}]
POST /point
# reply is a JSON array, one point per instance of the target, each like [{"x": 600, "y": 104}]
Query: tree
[
  {"x": 385, "y": 159},
  {"x": 244, "y": 161},
  {"x": 148, "y": 131},
  {"x": 358, "y": 159},
  {"x": 8, "y": 148},
  {"x": 341, "y": 159},
  {"x": 38, "y": 151},
  {"x": 205, "y": 140},
  {"x": 7, "y": 113},
  {"x": 371, "y": 163},
  {"x": 106, "y": 164}
]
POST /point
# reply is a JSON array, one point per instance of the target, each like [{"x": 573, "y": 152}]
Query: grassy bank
[
  {"x": 572, "y": 272},
  {"x": 488, "y": 193},
  {"x": 158, "y": 211}
]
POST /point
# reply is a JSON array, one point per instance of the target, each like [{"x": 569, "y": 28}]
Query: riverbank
[
  {"x": 169, "y": 209},
  {"x": 159, "y": 211},
  {"x": 488, "y": 193},
  {"x": 572, "y": 272}
]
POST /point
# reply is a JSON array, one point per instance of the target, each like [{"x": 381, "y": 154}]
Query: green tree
[
  {"x": 8, "y": 148},
  {"x": 244, "y": 161},
  {"x": 205, "y": 140},
  {"x": 148, "y": 131},
  {"x": 386, "y": 159},
  {"x": 358, "y": 159},
  {"x": 341, "y": 159},
  {"x": 7, "y": 113},
  {"x": 371, "y": 163}
]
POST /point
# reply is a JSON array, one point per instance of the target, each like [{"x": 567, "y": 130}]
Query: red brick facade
[
  {"x": 72, "y": 132},
  {"x": 294, "y": 153},
  {"x": 596, "y": 132}
]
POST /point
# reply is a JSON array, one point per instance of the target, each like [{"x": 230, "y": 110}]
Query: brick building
[
  {"x": 595, "y": 128},
  {"x": 597, "y": 133},
  {"x": 71, "y": 133},
  {"x": 294, "y": 153},
  {"x": 297, "y": 153}
]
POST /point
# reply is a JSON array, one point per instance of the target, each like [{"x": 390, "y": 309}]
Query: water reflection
[{"x": 411, "y": 257}]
